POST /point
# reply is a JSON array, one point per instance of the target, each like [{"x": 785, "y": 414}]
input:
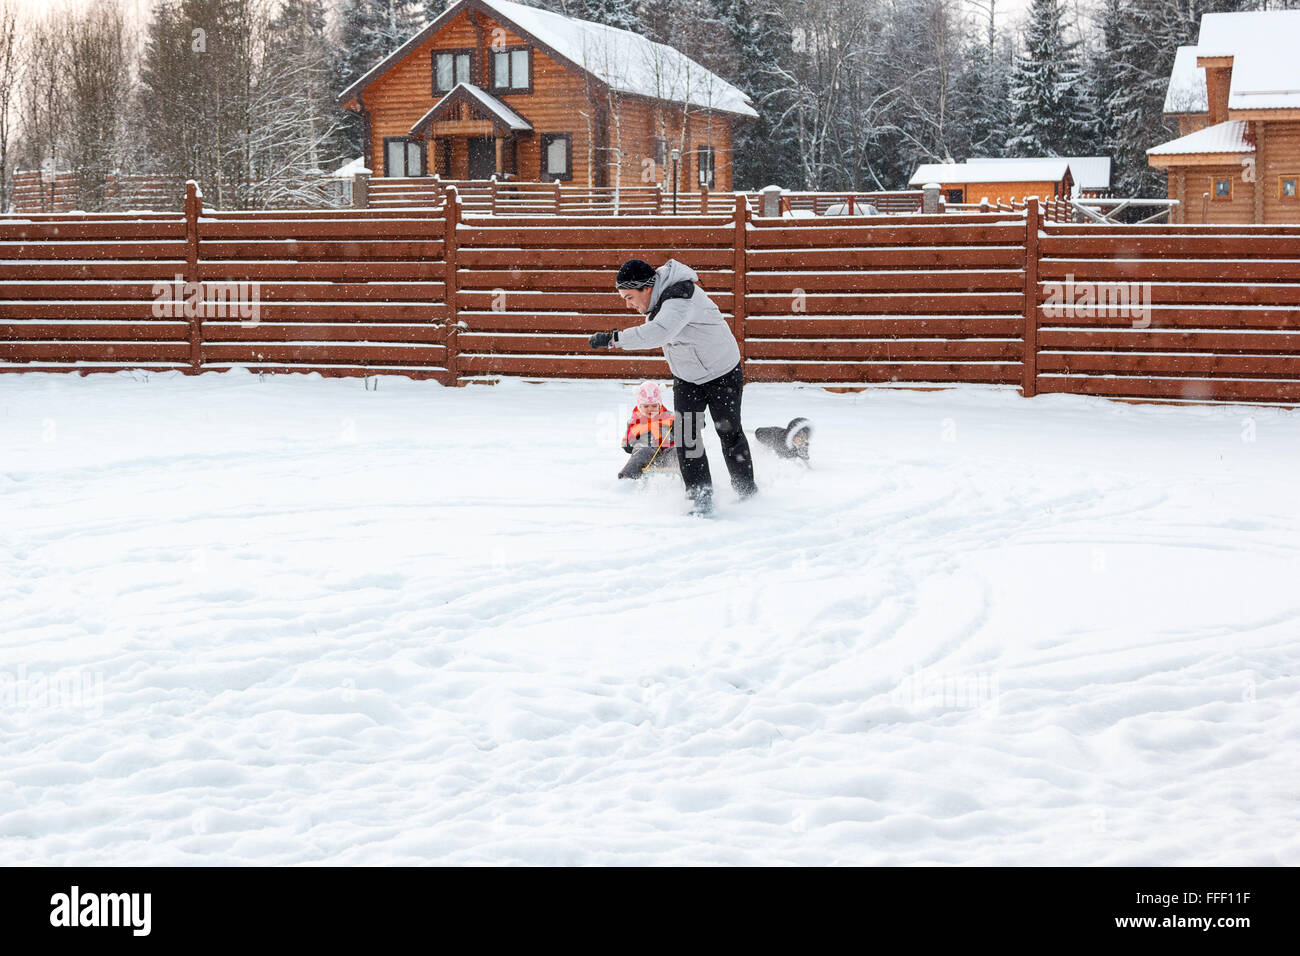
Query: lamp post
[{"x": 677, "y": 155}]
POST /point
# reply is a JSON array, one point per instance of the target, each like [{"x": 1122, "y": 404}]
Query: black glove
[{"x": 601, "y": 340}]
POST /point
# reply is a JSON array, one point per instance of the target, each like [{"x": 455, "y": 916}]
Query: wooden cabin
[
  {"x": 998, "y": 181},
  {"x": 1236, "y": 97},
  {"x": 492, "y": 87}
]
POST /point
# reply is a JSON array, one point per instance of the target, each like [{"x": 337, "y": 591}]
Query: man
[{"x": 705, "y": 361}]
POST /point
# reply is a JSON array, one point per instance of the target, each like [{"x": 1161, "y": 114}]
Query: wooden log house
[
  {"x": 1236, "y": 96},
  {"x": 492, "y": 87}
]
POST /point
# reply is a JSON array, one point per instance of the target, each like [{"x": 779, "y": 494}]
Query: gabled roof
[
  {"x": 1265, "y": 67},
  {"x": 624, "y": 61},
  {"x": 500, "y": 114},
  {"x": 979, "y": 171},
  {"x": 1187, "y": 92},
  {"x": 1229, "y": 137},
  {"x": 1088, "y": 172}
]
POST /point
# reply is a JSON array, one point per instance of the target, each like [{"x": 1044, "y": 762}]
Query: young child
[
  {"x": 649, "y": 437},
  {"x": 789, "y": 442}
]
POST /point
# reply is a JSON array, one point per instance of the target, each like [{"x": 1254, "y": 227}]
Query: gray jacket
[{"x": 696, "y": 339}]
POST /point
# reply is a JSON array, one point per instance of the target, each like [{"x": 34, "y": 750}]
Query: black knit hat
[{"x": 635, "y": 274}]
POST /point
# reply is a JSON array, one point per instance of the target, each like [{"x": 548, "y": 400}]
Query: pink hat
[{"x": 649, "y": 394}]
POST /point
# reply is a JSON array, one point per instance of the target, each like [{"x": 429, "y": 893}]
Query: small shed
[{"x": 974, "y": 181}]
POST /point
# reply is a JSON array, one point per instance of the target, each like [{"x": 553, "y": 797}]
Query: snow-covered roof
[
  {"x": 1228, "y": 137},
  {"x": 1265, "y": 68},
  {"x": 626, "y": 61},
  {"x": 979, "y": 171},
  {"x": 1187, "y": 92},
  {"x": 1088, "y": 172},
  {"x": 508, "y": 117}
]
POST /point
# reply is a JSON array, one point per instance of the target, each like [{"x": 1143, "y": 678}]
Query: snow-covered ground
[{"x": 296, "y": 621}]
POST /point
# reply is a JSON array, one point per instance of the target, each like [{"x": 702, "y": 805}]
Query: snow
[
  {"x": 1227, "y": 137},
  {"x": 1089, "y": 172},
  {"x": 979, "y": 171},
  {"x": 628, "y": 62},
  {"x": 295, "y": 621},
  {"x": 1187, "y": 90},
  {"x": 348, "y": 170},
  {"x": 1262, "y": 45}
]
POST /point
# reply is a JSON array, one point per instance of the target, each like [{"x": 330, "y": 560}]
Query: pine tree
[{"x": 1051, "y": 109}]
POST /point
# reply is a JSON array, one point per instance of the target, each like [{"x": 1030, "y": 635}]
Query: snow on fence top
[{"x": 1228, "y": 137}]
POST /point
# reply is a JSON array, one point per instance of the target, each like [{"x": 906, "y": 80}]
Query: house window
[
  {"x": 512, "y": 69},
  {"x": 704, "y": 157},
  {"x": 955, "y": 196},
  {"x": 1222, "y": 189},
  {"x": 403, "y": 156},
  {"x": 557, "y": 155},
  {"x": 451, "y": 67},
  {"x": 1286, "y": 187}
]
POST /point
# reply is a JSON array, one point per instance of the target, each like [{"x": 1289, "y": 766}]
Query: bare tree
[
  {"x": 98, "y": 64},
  {"x": 10, "y": 76}
]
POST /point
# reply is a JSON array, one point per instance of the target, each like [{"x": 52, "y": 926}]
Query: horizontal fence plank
[
  {"x": 885, "y": 349},
  {"x": 565, "y": 366},
  {"x": 1156, "y": 270},
  {"x": 317, "y": 229},
  {"x": 900, "y": 303},
  {"x": 991, "y": 373},
  {"x": 866, "y": 326},
  {"x": 1168, "y": 316},
  {"x": 878, "y": 235},
  {"x": 84, "y": 350},
  {"x": 1179, "y": 247},
  {"x": 853, "y": 281},
  {"x": 878, "y": 257},
  {"x": 610, "y": 258},
  {"x": 429, "y": 333},
  {"x": 397, "y": 249},
  {"x": 386, "y": 354},
  {"x": 1238, "y": 341},
  {"x": 1173, "y": 389},
  {"x": 99, "y": 331},
  {"x": 1133, "y": 363}
]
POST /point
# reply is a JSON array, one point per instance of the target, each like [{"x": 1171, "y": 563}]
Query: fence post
[
  {"x": 704, "y": 199},
  {"x": 659, "y": 198},
  {"x": 739, "y": 267},
  {"x": 1029, "y": 380},
  {"x": 360, "y": 190},
  {"x": 557, "y": 196},
  {"x": 493, "y": 194},
  {"x": 193, "y": 206},
  {"x": 930, "y": 199},
  {"x": 450, "y": 246}
]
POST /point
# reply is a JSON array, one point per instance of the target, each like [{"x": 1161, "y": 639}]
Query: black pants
[{"x": 721, "y": 397}]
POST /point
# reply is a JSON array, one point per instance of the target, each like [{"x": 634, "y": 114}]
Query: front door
[{"x": 482, "y": 158}]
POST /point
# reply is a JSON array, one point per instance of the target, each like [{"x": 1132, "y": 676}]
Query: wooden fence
[{"x": 1146, "y": 312}]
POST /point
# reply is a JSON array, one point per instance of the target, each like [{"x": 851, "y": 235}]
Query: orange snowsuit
[{"x": 654, "y": 431}]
